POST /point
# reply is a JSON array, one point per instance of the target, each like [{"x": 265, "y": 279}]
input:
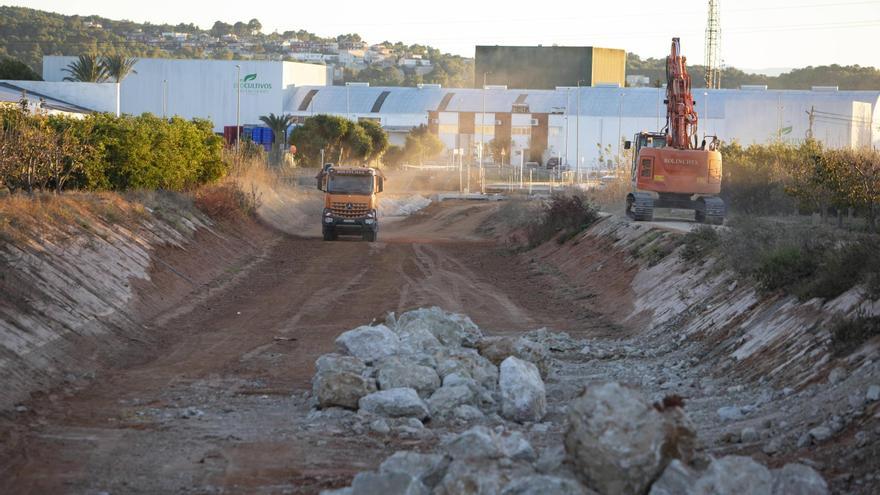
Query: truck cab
[{"x": 351, "y": 202}]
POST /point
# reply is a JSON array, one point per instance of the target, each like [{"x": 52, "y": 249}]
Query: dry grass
[{"x": 23, "y": 217}]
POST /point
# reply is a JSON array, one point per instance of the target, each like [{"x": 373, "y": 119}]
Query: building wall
[
  {"x": 206, "y": 89},
  {"x": 548, "y": 67},
  {"x": 94, "y": 96},
  {"x": 609, "y": 66}
]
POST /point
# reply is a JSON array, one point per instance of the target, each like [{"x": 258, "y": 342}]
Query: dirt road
[{"x": 216, "y": 407}]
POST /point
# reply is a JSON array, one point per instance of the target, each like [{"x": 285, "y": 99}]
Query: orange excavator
[{"x": 669, "y": 168}]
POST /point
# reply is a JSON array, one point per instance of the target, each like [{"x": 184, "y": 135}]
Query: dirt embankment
[
  {"x": 757, "y": 370},
  {"x": 211, "y": 332},
  {"x": 86, "y": 276}
]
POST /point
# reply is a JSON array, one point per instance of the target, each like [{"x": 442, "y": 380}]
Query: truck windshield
[{"x": 350, "y": 184}]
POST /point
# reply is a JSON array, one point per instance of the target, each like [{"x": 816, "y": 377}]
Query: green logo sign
[{"x": 249, "y": 85}]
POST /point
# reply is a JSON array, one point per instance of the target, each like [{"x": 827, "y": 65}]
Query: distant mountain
[
  {"x": 850, "y": 77},
  {"x": 770, "y": 72}
]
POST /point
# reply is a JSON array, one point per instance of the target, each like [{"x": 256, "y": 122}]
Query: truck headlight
[
  {"x": 371, "y": 214},
  {"x": 369, "y": 221},
  {"x": 328, "y": 220},
  {"x": 327, "y": 212}
]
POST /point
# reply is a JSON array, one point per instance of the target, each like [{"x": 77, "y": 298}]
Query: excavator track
[
  {"x": 640, "y": 206},
  {"x": 710, "y": 210}
]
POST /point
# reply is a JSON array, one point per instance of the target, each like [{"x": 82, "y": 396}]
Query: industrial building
[
  {"x": 565, "y": 122},
  {"x": 205, "y": 88},
  {"x": 592, "y": 123},
  {"x": 548, "y": 67}
]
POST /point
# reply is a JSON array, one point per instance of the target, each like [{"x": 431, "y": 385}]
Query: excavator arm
[{"x": 680, "y": 114}]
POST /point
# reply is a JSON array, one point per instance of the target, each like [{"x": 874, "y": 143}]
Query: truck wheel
[
  {"x": 329, "y": 234},
  {"x": 370, "y": 235}
]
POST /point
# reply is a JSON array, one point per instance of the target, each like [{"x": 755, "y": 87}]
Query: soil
[
  {"x": 210, "y": 403},
  {"x": 217, "y": 400}
]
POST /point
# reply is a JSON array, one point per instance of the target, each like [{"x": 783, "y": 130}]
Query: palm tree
[
  {"x": 117, "y": 68},
  {"x": 279, "y": 125},
  {"x": 87, "y": 68}
]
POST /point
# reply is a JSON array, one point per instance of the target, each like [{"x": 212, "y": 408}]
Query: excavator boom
[{"x": 680, "y": 114}]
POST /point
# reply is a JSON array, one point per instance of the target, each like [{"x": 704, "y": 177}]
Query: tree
[
  {"x": 86, "y": 68},
  {"x": 17, "y": 70},
  {"x": 378, "y": 139},
  {"x": 500, "y": 148},
  {"x": 423, "y": 145},
  {"x": 118, "y": 68},
  {"x": 254, "y": 26},
  {"x": 279, "y": 125},
  {"x": 220, "y": 29},
  {"x": 341, "y": 140},
  {"x": 321, "y": 132}
]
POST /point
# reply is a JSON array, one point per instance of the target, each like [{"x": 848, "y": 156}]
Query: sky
[{"x": 756, "y": 34}]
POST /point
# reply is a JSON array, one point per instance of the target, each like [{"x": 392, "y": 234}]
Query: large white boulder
[
  {"x": 446, "y": 399},
  {"x": 497, "y": 349},
  {"x": 371, "y": 483},
  {"x": 341, "y": 388},
  {"x": 798, "y": 479},
  {"x": 617, "y": 441},
  {"x": 523, "y": 397},
  {"x": 427, "y": 468},
  {"x": 450, "y": 329},
  {"x": 395, "y": 403},
  {"x": 468, "y": 363},
  {"x": 735, "y": 475},
  {"x": 544, "y": 485},
  {"x": 369, "y": 344},
  {"x": 400, "y": 373},
  {"x": 338, "y": 362}
]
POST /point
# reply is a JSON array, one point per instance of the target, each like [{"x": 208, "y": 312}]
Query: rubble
[
  {"x": 798, "y": 479},
  {"x": 341, "y": 388},
  {"x": 616, "y": 439},
  {"x": 735, "y": 475},
  {"x": 395, "y": 403},
  {"x": 368, "y": 343},
  {"x": 523, "y": 397},
  {"x": 397, "y": 373}
]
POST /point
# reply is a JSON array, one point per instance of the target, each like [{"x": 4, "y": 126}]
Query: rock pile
[
  {"x": 437, "y": 367},
  {"x": 616, "y": 442},
  {"x": 426, "y": 365}
]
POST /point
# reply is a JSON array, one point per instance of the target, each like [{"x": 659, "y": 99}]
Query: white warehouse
[
  {"x": 205, "y": 88},
  {"x": 565, "y": 122},
  {"x": 548, "y": 119}
]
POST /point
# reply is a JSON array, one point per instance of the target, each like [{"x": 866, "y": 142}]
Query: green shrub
[
  {"x": 699, "y": 243},
  {"x": 840, "y": 268},
  {"x": 785, "y": 266},
  {"x": 847, "y": 335},
  {"x": 105, "y": 152},
  {"x": 563, "y": 217}
]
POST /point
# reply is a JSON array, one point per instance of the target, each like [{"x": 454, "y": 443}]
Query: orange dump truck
[{"x": 351, "y": 201}]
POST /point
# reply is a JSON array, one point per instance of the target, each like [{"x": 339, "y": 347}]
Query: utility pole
[
  {"x": 164, "y": 98},
  {"x": 713, "y": 45},
  {"x": 482, "y": 132},
  {"x": 577, "y": 141},
  {"x": 619, "y": 135},
  {"x": 237, "y": 108},
  {"x": 812, "y": 114},
  {"x": 567, "y": 92}
]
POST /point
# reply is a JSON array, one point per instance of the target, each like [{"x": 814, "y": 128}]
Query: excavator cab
[{"x": 643, "y": 140}]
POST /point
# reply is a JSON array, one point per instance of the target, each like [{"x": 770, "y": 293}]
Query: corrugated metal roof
[
  {"x": 10, "y": 93},
  {"x": 594, "y": 101}
]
